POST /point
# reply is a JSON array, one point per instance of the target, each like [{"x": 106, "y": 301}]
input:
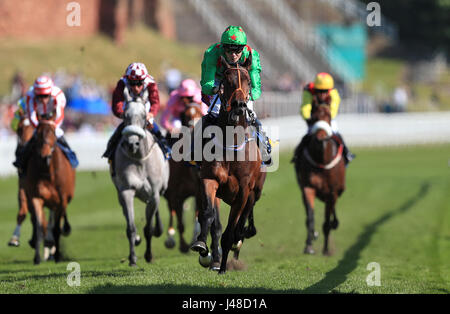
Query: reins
[{"x": 239, "y": 89}]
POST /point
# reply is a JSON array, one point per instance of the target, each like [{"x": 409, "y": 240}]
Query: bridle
[
  {"x": 237, "y": 90},
  {"x": 53, "y": 125}
]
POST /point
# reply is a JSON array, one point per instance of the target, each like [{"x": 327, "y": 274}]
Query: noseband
[{"x": 237, "y": 90}]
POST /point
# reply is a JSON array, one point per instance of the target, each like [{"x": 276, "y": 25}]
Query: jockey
[
  {"x": 233, "y": 47},
  {"x": 44, "y": 98},
  {"x": 322, "y": 91},
  {"x": 136, "y": 80},
  {"x": 188, "y": 92}
]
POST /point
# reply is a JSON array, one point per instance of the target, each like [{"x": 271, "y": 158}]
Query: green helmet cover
[{"x": 234, "y": 35}]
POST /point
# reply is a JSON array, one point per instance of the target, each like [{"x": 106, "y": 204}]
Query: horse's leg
[
  {"x": 335, "y": 221},
  {"x": 149, "y": 230},
  {"x": 309, "y": 195},
  {"x": 241, "y": 230},
  {"x": 126, "y": 199},
  {"x": 23, "y": 210},
  {"x": 32, "y": 241},
  {"x": 170, "y": 241},
  {"x": 228, "y": 237},
  {"x": 38, "y": 210},
  {"x": 206, "y": 216},
  {"x": 184, "y": 247},
  {"x": 250, "y": 230},
  {"x": 198, "y": 206},
  {"x": 58, "y": 213},
  {"x": 329, "y": 206},
  {"x": 66, "y": 227},
  {"x": 216, "y": 232},
  {"x": 49, "y": 239}
]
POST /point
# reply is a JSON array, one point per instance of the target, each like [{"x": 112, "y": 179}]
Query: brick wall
[
  {"x": 46, "y": 18},
  {"x": 42, "y": 19}
]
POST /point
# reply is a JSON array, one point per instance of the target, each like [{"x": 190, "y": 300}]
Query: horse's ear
[
  {"x": 224, "y": 62},
  {"x": 248, "y": 62}
]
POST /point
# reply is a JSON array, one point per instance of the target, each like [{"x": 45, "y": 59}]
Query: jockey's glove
[{"x": 215, "y": 89}]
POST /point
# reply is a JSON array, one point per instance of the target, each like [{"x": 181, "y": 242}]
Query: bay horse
[
  {"x": 140, "y": 171},
  {"x": 238, "y": 182},
  {"x": 320, "y": 172},
  {"x": 25, "y": 131},
  {"x": 184, "y": 182},
  {"x": 49, "y": 182}
]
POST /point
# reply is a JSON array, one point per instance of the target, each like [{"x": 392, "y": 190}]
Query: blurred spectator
[
  {"x": 18, "y": 87},
  {"x": 400, "y": 98},
  {"x": 173, "y": 79}
]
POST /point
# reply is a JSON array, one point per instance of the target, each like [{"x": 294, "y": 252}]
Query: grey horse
[{"x": 140, "y": 171}]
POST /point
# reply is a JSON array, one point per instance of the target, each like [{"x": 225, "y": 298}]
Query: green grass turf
[{"x": 395, "y": 212}]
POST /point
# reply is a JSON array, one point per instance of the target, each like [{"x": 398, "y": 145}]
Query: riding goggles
[
  {"x": 233, "y": 48},
  {"x": 136, "y": 83}
]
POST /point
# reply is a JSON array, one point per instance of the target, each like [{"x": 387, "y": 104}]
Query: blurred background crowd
[{"x": 398, "y": 66}]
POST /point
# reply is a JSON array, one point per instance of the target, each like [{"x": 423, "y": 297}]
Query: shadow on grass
[
  {"x": 62, "y": 274},
  {"x": 349, "y": 262},
  {"x": 183, "y": 289}
]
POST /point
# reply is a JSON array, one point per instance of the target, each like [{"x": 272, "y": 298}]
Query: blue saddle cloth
[{"x": 71, "y": 156}]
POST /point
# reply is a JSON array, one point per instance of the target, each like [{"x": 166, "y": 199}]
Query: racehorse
[
  {"x": 238, "y": 182},
  {"x": 25, "y": 132},
  {"x": 320, "y": 171},
  {"x": 140, "y": 171},
  {"x": 184, "y": 182},
  {"x": 49, "y": 182}
]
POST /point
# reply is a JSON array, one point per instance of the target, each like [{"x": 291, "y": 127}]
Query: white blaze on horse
[{"x": 140, "y": 171}]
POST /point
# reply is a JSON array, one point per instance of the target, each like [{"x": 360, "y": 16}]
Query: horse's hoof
[
  {"x": 32, "y": 243},
  {"x": 309, "y": 250},
  {"x": 205, "y": 261},
  {"x": 132, "y": 260},
  {"x": 14, "y": 242},
  {"x": 148, "y": 257},
  {"x": 236, "y": 246},
  {"x": 316, "y": 235},
  {"x": 184, "y": 248},
  {"x": 37, "y": 260},
  {"x": 138, "y": 240},
  {"x": 132, "y": 264},
  {"x": 66, "y": 230},
  {"x": 56, "y": 257},
  {"x": 215, "y": 266},
  {"x": 222, "y": 272},
  {"x": 334, "y": 224},
  {"x": 249, "y": 232},
  {"x": 327, "y": 253},
  {"x": 200, "y": 247},
  {"x": 170, "y": 243}
]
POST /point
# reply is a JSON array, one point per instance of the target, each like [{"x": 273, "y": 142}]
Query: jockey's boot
[
  {"x": 300, "y": 147},
  {"x": 69, "y": 153},
  {"x": 161, "y": 140},
  {"x": 23, "y": 153},
  {"x": 207, "y": 120},
  {"x": 265, "y": 147},
  {"x": 348, "y": 155},
  {"x": 111, "y": 147}
]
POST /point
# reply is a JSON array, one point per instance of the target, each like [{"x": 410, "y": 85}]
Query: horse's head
[
  {"x": 134, "y": 118},
  {"x": 236, "y": 89},
  {"x": 191, "y": 115},
  {"x": 46, "y": 138},
  {"x": 321, "y": 117}
]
